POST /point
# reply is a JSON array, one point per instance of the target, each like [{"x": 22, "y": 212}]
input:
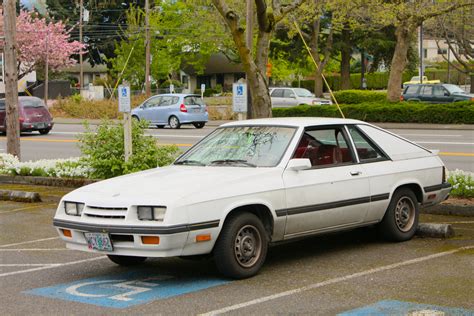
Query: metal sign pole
[{"x": 124, "y": 107}]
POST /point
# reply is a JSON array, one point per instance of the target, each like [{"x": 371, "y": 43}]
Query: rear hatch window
[
  {"x": 35, "y": 110},
  {"x": 195, "y": 102}
]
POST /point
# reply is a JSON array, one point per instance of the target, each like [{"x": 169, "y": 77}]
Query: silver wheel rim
[
  {"x": 247, "y": 246},
  {"x": 174, "y": 122},
  {"x": 405, "y": 214}
]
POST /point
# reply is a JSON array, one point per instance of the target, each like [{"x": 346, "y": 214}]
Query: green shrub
[
  {"x": 103, "y": 151},
  {"x": 463, "y": 184},
  {"x": 359, "y": 96},
  {"x": 401, "y": 112},
  {"x": 209, "y": 92}
]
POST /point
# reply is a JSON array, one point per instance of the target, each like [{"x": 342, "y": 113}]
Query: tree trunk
[
  {"x": 346, "y": 60},
  {"x": 318, "y": 84},
  {"x": 399, "y": 61}
]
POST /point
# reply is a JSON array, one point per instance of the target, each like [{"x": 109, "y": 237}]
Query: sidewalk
[{"x": 60, "y": 120}]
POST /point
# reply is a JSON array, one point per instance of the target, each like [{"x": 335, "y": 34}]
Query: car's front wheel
[
  {"x": 242, "y": 245},
  {"x": 401, "y": 218},
  {"x": 44, "y": 131},
  {"x": 126, "y": 260}
]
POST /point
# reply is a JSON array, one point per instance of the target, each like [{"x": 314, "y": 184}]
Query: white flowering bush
[
  {"x": 60, "y": 168},
  {"x": 462, "y": 182}
]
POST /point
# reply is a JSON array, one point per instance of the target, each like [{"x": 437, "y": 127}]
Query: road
[
  {"x": 322, "y": 275},
  {"x": 456, "y": 146}
]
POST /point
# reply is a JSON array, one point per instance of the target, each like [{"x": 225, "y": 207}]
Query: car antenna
[{"x": 317, "y": 67}]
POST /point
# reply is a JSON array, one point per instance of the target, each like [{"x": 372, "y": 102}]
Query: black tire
[
  {"x": 401, "y": 218},
  {"x": 44, "y": 131},
  {"x": 160, "y": 126},
  {"x": 174, "y": 122},
  {"x": 241, "y": 230},
  {"x": 126, "y": 260},
  {"x": 199, "y": 125}
]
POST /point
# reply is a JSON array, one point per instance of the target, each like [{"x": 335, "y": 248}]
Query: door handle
[{"x": 355, "y": 173}]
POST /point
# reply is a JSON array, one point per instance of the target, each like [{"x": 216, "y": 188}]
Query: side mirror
[{"x": 298, "y": 164}]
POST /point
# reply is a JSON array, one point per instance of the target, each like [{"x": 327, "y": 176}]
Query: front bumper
[{"x": 176, "y": 240}]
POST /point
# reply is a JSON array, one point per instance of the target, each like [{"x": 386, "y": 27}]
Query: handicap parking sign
[{"x": 125, "y": 290}]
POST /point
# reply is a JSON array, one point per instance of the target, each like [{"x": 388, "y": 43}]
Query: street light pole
[
  {"x": 421, "y": 53},
  {"x": 11, "y": 79},
  {"x": 81, "y": 66}
]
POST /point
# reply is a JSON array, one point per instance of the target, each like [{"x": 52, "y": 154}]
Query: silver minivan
[{"x": 173, "y": 110}]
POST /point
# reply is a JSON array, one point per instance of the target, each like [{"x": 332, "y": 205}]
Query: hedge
[
  {"x": 359, "y": 96},
  {"x": 401, "y": 112}
]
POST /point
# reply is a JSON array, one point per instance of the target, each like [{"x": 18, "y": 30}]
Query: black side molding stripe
[
  {"x": 437, "y": 187},
  {"x": 331, "y": 205},
  {"x": 164, "y": 230}
]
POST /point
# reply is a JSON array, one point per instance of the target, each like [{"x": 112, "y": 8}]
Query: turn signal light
[
  {"x": 67, "y": 233},
  {"x": 151, "y": 240},
  {"x": 201, "y": 238}
]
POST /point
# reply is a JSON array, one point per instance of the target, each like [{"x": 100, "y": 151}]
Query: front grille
[{"x": 105, "y": 212}]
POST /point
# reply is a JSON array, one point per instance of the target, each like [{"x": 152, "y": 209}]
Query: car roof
[
  {"x": 175, "y": 95},
  {"x": 295, "y": 121}
]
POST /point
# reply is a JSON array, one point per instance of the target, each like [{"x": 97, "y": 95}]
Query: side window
[
  {"x": 288, "y": 93},
  {"x": 439, "y": 91},
  {"x": 277, "y": 93},
  {"x": 152, "y": 102},
  {"x": 413, "y": 89},
  {"x": 166, "y": 101},
  {"x": 427, "y": 90},
  {"x": 2, "y": 105},
  {"x": 324, "y": 147},
  {"x": 366, "y": 150}
]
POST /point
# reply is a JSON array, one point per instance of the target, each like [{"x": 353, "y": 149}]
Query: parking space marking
[
  {"x": 28, "y": 208},
  {"x": 391, "y": 307},
  {"x": 28, "y": 242},
  {"x": 333, "y": 281},
  {"x": 54, "y": 265},
  {"x": 127, "y": 289},
  {"x": 28, "y": 264}
]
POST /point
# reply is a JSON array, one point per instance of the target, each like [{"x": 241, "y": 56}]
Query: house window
[
  {"x": 425, "y": 53},
  {"x": 442, "y": 51}
]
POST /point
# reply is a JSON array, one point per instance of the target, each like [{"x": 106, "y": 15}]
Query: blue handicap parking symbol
[
  {"x": 240, "y": 90},
  {"x": 390, "y": 307},
  {"x": 124, "y": 92},
  {"x": 125, "y": 290}
]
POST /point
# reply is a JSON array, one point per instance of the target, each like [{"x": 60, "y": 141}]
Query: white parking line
[
  {"x": 28, "y": 242},
  {"x": 333, "y": 281},
  {"x": 28, "y": 264},
  {"x": 54, "y": 265}
]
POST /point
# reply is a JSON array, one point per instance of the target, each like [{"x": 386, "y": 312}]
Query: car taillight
[
  {"x": 401, "y": 98},
  {"x": 183, "y": 108},
  {"x": 22, "y": 119}
]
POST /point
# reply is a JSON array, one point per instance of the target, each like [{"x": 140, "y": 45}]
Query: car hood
[{"x": 177, "y": 185}]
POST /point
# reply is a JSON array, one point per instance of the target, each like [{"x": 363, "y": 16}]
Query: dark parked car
[
  {"x": 435, "y": 93},
  {"x": 33, "y": 114}
]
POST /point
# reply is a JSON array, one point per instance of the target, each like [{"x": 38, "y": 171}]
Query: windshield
[
  {"x": 242, "y": 146},
  {"x": 454, "y": 89},
  {"x": 303, "y": 92}
]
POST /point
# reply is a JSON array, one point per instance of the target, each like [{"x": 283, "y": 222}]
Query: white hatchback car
[{"x": 251, "y": 183}]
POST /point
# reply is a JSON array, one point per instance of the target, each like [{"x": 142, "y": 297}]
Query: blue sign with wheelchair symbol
[
  {"x": 125, "y": 290},
  {"x": 240, "y": 90}
]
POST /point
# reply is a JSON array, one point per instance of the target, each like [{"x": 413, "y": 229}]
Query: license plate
[
  {"x": 99, "y": 241},
  {"x": 196, "y": 110},
  {"x": 41, "y": 125}
]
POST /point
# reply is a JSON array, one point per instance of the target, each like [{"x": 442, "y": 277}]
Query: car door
[
  {"x": 334, "y": 193},
  {"x": 277, "y": 98},
  {"x": 166, "y": 108},
  {"x": 426, "y": 93},
  {"x": 289, "y": 98},
  {"x": 441, "y": 95},
  {"x": 149, "y": 109}
]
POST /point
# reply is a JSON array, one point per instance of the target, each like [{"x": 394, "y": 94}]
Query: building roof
[{"x": 217, "y": 64}]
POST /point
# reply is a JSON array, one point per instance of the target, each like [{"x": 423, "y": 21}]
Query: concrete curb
[
  {"x": 46, "y": 181},
  {"x": 435, "y": 230},
  {"x": 19, "y": 196},
  {"x": 450, "y": 209}
]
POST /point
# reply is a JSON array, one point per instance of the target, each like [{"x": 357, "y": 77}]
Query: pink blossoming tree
[{"x": 40, "y": 41}]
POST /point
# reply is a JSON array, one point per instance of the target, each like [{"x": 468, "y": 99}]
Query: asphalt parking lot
[{"x": 353, "y": 273}]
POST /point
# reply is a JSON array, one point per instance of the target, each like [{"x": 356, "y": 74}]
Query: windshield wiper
[
  {"x": 189, "y": 162},
  {"x": 231, "y": 161}
]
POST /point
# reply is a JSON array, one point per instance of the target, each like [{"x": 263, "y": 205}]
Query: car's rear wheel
[
  {"x": 126, "y": 260},
  {"x": 401, "y": 218},
  {"x": 242, "y": 246},
  {"x": 44, "y": 131},
  {"x": 199, "y": 125},
  {"x": 174, "y": 122}
]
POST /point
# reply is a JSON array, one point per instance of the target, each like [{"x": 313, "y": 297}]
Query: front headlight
[
  {"x": 151, "y": 213},
  {"x": 73, "y": 208}
]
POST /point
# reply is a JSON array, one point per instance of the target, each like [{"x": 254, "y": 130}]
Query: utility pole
[
  {"x": 46, "y": 72},
  {"x": 421, "y": 53},
  {"x": 11, "y": 79},
  {"x": 147, "y": 48},
  {"x": 81, "y": 66},
  {"x": 249, "y": 41}
]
